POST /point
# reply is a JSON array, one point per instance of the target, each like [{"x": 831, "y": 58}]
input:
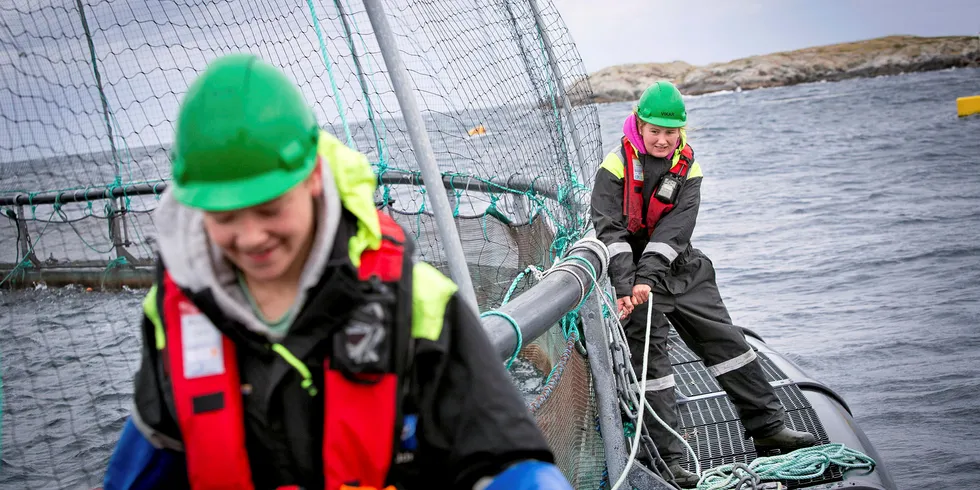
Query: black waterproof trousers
[{"x": 690, "y": 300}]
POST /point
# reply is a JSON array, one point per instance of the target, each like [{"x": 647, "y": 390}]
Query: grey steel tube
[
  {"x": 520, "y": 183},
  {"x": 541, "y": 306},
  {"x": 560, "y": 85},
  {"x": 401, "y": 82},
  {"x": 540, "y": 186},
  {"x": 604, "y": 384}
]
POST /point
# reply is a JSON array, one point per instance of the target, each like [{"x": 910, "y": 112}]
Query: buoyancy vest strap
[
  {"x": 632, "y": 189},
  {"x": 386, "y": 261},
  {"x": 357, "y": 432},
  {"x": 204, "y": 375},
  {"x": 360, "y": 414}
]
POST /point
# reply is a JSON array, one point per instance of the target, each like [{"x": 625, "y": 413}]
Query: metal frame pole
[
  {"x": 401, "y": 83},
  {"x": 556, "y": 74},
  {"x": 360, "y": 75},
  {"x": 604, "y": 385},
  {"x": 538, "y": 91},
  {"x": 117, "y": 228}
]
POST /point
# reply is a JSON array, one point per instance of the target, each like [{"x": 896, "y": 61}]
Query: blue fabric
[
  {"x": 137, "y": 465},
  {"x": 530, "y": 475},
  {"x": 409, "y": 441}
]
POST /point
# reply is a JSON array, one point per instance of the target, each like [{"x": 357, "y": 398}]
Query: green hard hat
[
  {"x": 244, "y": 136},
  {"x": 661, "y": 104}
]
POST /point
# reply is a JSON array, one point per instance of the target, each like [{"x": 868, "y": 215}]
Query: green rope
[
  {"x": 492, "y": 211},
  {"x": 554, "y": 106},
  {"x": 116, "y": 262},
  {"x": 517, "y": 332},
  {"x": 802, "y": 464},
  {"x": 629, "y": 430},
  {"x": 333, "y": 83},
  {"x": 569, "y": 322},
  {"x": 517, "y": 280},
  {"x": 457, "y": 194},
  {"x": 64, "y": 219},
  {"x": 418, "y": 219},
  {"x": 360, "y": 77},
  {"x": 380, "y": 141}
]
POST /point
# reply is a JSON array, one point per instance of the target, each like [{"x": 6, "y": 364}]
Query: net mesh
[
  {"x": 89, "y": 92},
  {"x": 565, "y": 408}
]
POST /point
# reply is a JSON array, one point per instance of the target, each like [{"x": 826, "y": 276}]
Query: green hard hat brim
[
  {"x": 662, "y": 121},
  {"x": 244, "y": 193}
]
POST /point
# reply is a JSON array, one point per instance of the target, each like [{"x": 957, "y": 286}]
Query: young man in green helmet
[
  {"x": 644, "y": 207},
  {"x": 290, "y": 341}
]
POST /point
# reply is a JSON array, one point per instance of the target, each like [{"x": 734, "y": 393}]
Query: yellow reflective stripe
[
  {"x": 356, "y": 184},
  {"x": 151, "y": 312},
  {"x": 298, "y": 365},
  {"x": 431, "y": 291},
  {"x": 695, "y": 171},
  {"x": 614, "y": 165}
]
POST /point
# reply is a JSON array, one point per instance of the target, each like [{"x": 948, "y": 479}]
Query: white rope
[{"x": 636, "y": 401}]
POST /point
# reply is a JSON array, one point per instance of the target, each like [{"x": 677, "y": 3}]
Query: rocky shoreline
[{"x": 890, "y": 55}]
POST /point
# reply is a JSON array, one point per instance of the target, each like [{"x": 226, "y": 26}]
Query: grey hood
[{"x": 196, "y": 264}]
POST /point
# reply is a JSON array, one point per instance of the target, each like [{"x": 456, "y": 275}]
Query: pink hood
[{"x": 633, "y": 134}]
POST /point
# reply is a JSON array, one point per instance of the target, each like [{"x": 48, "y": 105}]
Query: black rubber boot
[
  {"x": 786, "y": 440},
  {"x": 682, "y": 477}
]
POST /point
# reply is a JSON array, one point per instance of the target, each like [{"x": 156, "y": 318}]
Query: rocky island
[{"x": 890, "y": 55}]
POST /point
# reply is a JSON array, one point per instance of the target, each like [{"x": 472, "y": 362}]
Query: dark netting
[{"x": 89, "y": 92}]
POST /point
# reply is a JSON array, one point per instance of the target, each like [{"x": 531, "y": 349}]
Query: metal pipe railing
[
  {"x": 562, "y": 289},
  {"x": 514, "y": 184},
  {"x": 537, "y": 310},
  {"x": 598, "y": 345},
  {"x": 401, "y": 83}
]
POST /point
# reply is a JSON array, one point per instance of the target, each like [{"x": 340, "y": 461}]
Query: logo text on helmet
[{"x": 667, "y": 114}]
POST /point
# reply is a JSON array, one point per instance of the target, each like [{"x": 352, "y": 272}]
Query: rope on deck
[{"x": 802, "y": 464}]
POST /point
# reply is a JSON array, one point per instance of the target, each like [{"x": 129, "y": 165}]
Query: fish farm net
[{"x": 89, "y": 92}]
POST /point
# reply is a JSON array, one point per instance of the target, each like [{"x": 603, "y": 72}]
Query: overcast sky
[{"x": 612, "y": 32}]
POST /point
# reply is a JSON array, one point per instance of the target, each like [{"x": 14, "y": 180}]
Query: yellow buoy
[
  {"x": 966, "y": 106},
  {"x": 477, "y": 130}
]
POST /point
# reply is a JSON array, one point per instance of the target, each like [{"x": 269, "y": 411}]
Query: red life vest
[
  {"x": 633, "y": 190},
  {"x": 359, "y": 418}
]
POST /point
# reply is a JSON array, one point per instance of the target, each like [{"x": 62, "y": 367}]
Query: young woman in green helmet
[
  {"x": 644, "y": 208},
  {"x": 290, "y": 341}
]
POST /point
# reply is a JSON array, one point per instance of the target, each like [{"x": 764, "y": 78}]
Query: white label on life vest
[
  {"x": 637, "y": 172},
  {"x": 201, "y": 343}
]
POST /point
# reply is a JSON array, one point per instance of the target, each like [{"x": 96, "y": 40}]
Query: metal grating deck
[
  {"x": 693, "y": 379},
  {"x": 678, "y": 352},
  {"x": 710, "y": 422},
  {"x": 709, "y": 411}
]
